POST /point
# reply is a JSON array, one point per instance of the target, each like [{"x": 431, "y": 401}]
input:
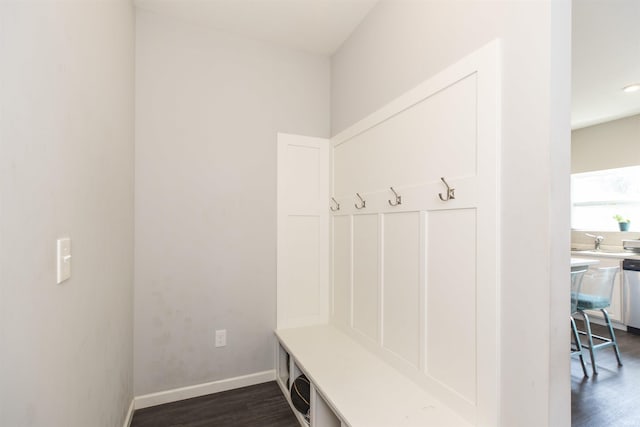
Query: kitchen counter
[
  {"x": 582, "y": 262},
  {"x": 619, "y": 254}
]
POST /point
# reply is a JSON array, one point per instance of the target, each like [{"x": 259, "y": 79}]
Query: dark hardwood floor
[
  {"x": 611, "y": 398},
  {"x": 261, "y": 405}
]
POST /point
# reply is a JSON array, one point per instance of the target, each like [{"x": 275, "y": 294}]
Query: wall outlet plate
[{"x": 221, "y": 338}]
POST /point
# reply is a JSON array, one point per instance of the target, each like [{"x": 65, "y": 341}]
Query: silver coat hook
[
  {"x": 337, "y": 208},
  {"x": 450, "y": 192},
  {"x": 362, "y": 201},
  {"x": 398, "y": 198}
]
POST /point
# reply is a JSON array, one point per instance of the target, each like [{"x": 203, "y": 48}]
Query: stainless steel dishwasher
[{"x": 631, "y": 297}]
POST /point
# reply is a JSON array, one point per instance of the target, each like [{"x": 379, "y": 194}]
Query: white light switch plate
[{"x": 63, "y": 257}]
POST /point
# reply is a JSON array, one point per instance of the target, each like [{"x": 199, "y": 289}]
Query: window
[{"x": 597, "y": 196}]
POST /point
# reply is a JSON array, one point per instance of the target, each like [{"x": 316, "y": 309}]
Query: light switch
[{"x": 64, "y": 259}]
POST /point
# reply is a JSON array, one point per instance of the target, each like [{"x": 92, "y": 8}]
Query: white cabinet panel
[
  {"x": 342, "y": 270},
  {"x": 615, "y": 310},
  {"x": 365, "y": 275},
  {"x": 451, "y": 300},
  {"x": 401, "y": 285}
]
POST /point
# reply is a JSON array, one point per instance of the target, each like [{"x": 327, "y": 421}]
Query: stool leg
[
  {"x": 576, "y": 337},
  {"x": 587, "y": 325},
  {"x": 613, "y": 335}
]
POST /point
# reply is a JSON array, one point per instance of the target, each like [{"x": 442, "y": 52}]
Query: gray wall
[
  {"x": 399, "y": 45},
  {"x": 66, "y": 169},
  {"x": 208, "y": 107},
  {"x": 614, "y": 144}
]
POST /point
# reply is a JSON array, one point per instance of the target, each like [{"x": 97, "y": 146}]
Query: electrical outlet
[{"x": 221, "y": 338}]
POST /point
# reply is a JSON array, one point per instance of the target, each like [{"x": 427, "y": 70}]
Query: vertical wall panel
[
  {"x": 451, "y": 300},
  {"x": 342, "y": 269},
  {"x": 302, "y": 275},
  {"x": 401, "y": 302},
  {"x": 303, "y": 231},
  {"x": 365, "y": 275},
  {"x": 303, "y": 177}
]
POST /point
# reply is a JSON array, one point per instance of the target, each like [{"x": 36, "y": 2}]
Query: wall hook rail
[
  {"x": 398, "y": 198},
  {"x": 450, "y": 192},
  {"x": 363, "y": 203},
  {"x": 337, "y": 207}
]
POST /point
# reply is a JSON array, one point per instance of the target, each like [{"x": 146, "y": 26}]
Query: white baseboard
[
  {"x": 129, "y": 417},
  {"x": 182, "y": 393}
]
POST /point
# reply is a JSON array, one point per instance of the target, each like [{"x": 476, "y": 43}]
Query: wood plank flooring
[
  {"x": 261, "y": 405},
  {"x": 611, "y": 398}
]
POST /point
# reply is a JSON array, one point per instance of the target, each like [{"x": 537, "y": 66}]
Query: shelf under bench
[{"x": 360, "y": 388}]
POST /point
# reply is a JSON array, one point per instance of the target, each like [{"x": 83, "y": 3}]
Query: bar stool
[
  {"x": 595, "y": 294},
  {"x": 576, "y": 282}
]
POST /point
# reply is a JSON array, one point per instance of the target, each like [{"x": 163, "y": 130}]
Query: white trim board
[
  {"x": 129, "y": 417},
  {"x": 182, "y": 393}
]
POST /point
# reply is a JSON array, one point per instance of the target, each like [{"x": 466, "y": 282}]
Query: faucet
[{"x": 597, "y": 241}]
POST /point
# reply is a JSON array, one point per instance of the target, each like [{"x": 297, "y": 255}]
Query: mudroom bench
[{"x": 351, "y": 386}]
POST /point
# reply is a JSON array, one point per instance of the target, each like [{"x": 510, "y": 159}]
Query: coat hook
[
  {"x": 337, "y": 208},
  {"x": 450, "y": 192},
  {"x": 364, "y": 203},
  {"x": 398, "y": 198}
]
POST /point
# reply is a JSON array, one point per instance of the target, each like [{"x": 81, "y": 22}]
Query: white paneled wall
[
  {"x": 405, "y": 278},
  {"x": 413, "y": 280}
]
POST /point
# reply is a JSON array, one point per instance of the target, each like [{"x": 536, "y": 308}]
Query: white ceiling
[
  {"x": 317, "y": 26},
  {"x": 606, "y": 57}
]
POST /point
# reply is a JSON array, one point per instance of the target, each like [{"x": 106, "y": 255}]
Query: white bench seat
[{"x": 360, "y": 388}]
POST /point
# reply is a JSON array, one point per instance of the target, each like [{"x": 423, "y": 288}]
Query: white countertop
[
  {"x": 583, "y": 262},
  {"x": 619, "y": 254}
]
